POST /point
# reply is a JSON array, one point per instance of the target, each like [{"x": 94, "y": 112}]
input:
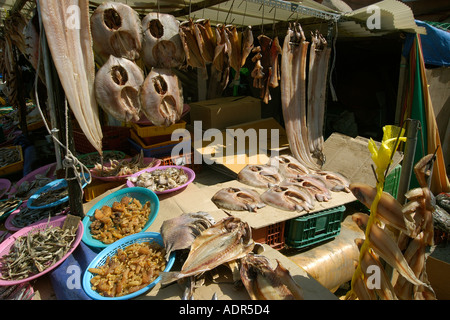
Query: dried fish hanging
[
  {"x": 293, "y": 94},
  {"x": 387, "y": 218},
  {"x": 317, "y": 84}
]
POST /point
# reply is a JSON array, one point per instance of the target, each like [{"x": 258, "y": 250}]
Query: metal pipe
[{"x": 408, "y": 158}]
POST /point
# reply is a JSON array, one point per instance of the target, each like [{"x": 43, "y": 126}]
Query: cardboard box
[{"x": 224, "y": 112}]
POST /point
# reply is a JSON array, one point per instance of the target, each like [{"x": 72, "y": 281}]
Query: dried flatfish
[
  {"x": 260, "y": 176},
  {"x": 289, "y": 198},
  {"x": 178, "y": 233},
  {"x": 35, "y": 252},
  {"x": 161, "y": 179},
  {"x": 227, "y": 240},
  {"x": 239, "y": 199}
]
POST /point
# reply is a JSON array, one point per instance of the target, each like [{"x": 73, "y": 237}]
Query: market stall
[{"x": 192, "y": 160}]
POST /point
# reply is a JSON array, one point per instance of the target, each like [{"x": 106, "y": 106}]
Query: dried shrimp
[
  {"x": 130, "y": 270},
  {"x": 122, "y": 219}
]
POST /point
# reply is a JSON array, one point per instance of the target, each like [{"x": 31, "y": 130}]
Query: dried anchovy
[
  {"x": 22, "y": 291},
  {"x": 36, "y": 252},
  {"x": 8, "y": 205},
  {"x": 50, "y": 196},
  {"x": 9, "y": 156},
  {"x": 27, "y": 216},
  {"x": 3, "y": 236}
]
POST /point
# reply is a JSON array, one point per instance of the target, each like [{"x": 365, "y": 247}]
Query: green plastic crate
[
  {"x": 392, "y": 181},
  {"x": 314, "y": 228}
]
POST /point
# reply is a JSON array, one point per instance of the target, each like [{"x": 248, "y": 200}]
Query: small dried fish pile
[
  {"x": 36, "y": 252},
  {"x": 264, "y": 283},
  {"x": 27, "y": 216},
  {"x": 239, "y": 199},
  {"x": 125, "y": 167},
  {"x": 3, "y": 236},
  {"x": 92, "y": 159},
  {"x": 130, "y": 270},
  {"x": 50, "y": 196},
  {"x": 21, "y": 291},
  {"x": 122, "y": 219},
  {"x": 8, "y": 205},
  {"x": 161, "y": 179},
  {"x": 9, "y": 156},
  {"x": 178, "y": 233}
]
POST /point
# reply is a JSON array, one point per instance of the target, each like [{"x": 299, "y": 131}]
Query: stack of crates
[{"x": 154, "y": 141}]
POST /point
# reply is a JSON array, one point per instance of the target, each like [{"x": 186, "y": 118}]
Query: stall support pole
[{"x": 408, "y": 159}]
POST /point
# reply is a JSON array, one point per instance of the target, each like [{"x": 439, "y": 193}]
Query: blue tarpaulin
[{"x": 435, "y": 45}]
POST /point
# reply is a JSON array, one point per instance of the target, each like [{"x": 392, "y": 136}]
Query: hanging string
[{"x": 333, "y": 64}]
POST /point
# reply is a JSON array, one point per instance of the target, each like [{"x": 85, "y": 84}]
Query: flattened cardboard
[{"x": 351, "y": 157}]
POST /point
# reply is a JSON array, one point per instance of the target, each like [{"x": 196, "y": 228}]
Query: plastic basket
[
  {"x": 190, "y": 173},
  {"x": 6, "y": 245},
  {"x": 160, "y": 150},
  {"x": 147, "y": 161},
  {"x": 272, "y": 235},
  {"x": 186, "y": 160},
  {"x": 314, "y": 228},
  {"x": 393, "y": 181},
  {"x": 5, "y": 184},
  {"x": 6, "y": 214},
  {"x": 49, "y": 168},
  {"x": 114, "y": 138},
  {"x": 54, "y": 185},
  {"x": 13, "y": 167},
  {"x": 111, "y": 251},
  {"x": 152, "y": 130},
  {"x": 141, "y": 194},
  {"x": 97, "y": 188}
]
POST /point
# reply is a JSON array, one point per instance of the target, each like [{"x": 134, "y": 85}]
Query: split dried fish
[
  {"x": 288, "y": 166},
  {"x": 161, "y": 179},
  {"x": 35, "y": 252},
  {"x": 264, "y": 283},
  {"x": 227, "y": 240},
  {"x": 313, "y": 183},
  {"x": 178, "y": 233},
  {"x": 239, "y": 199}
]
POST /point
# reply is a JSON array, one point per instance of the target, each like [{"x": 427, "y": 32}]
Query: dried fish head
[
  {"x": 260, "y": 176},
  {"x": 116, "y": 30},
  {"x": 162, "y": 47},
  {"x": 239, "y": 199},
  {"x": 162, "y": 97},
  {"x": 117, "y": 86}
]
